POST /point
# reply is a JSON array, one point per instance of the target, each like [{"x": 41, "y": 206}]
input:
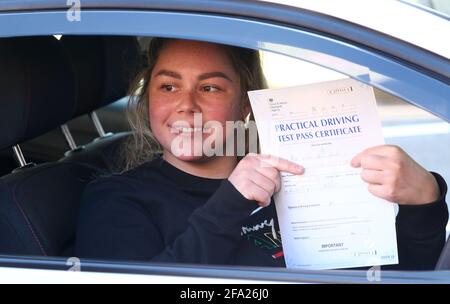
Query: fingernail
[
  {"x": 354, "y": 164},
  {"x": 300, "y": 169},
  {"x": 263, "y": 204}
]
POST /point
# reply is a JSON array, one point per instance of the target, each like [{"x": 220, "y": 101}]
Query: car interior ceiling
[{"x": 44, "y": 87}]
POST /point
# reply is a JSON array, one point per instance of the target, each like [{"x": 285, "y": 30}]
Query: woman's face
[{"x": 193, "y": 91}]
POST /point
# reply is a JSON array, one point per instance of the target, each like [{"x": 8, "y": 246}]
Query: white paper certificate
[{"x": 328, "y": 219}]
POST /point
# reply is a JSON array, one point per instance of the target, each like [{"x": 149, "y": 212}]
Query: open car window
[{"x": 412, "y": 103}]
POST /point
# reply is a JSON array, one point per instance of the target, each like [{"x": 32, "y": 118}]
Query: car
[{"x": 63, "y": 93}]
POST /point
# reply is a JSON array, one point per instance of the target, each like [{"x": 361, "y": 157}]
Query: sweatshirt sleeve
[
  {"x": 114, "y": 226},
  {"x": 421, "y": 232}
]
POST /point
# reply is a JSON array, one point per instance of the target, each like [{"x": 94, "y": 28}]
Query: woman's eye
[
  {"x": 168, "y": 87},
  {"x": 210, "y": 89}
]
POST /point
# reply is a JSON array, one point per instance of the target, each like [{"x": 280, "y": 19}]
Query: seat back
[
  {"x": 104, "y": 66},
  {"x": 38, "y": 204}
]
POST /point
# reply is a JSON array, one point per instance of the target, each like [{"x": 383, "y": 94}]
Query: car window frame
[
  {"x": 426, "y": 90},
  {"x": 390, "y": 74},
  {"x": 225, "y": 274}
]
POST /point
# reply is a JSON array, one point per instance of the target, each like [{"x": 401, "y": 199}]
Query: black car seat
[
  {"x": 7, "y": 162},
  {"x": 104, "y": 66},
  {"x": 38, "y": 203}
]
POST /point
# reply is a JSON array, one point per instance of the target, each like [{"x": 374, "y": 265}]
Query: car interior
[
  {"x": 46, "y": 82},
  {"x": 62, "y": 125}
]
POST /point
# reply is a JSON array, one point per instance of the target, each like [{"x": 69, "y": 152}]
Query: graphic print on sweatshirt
[{"x": 262, "y": 231}]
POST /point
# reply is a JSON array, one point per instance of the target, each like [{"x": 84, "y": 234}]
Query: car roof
[
  {"x": 391, "y": 17},
  {"x": 412, "y": 24}
]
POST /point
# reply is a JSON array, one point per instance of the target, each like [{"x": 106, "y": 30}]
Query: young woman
[{"x": 189, "y": 206}]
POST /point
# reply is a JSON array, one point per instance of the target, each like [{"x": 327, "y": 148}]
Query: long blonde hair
[{"x": 142, "y": 146}]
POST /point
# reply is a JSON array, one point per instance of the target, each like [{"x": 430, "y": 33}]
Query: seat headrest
[
  {"x": 103, "y": 66},
  {"x": 37, "y": 91}
]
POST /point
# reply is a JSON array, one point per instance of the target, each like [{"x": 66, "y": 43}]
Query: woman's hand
[
  {"x": 393, "y": 175},
  {"x": 257, "y": 177}
]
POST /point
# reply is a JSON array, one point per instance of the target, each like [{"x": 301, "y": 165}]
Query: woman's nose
[{"x": 188, "y": 103}]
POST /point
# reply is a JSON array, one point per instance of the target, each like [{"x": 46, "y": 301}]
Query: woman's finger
[
  {"x": 264, "y": 182},
  {"x": 281, "y": 164},
  {"x": 373, "y": 176},
  {"x": 259, "y": 194},
  {"x": 374, "y": 162},
  {"x": 387, "y": 151},
  {"x": 383, "y": 191},
  {"x": 272, "y": 174}
]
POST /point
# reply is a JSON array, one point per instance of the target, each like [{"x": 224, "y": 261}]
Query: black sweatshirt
[{"x": 159, "y": 213}]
